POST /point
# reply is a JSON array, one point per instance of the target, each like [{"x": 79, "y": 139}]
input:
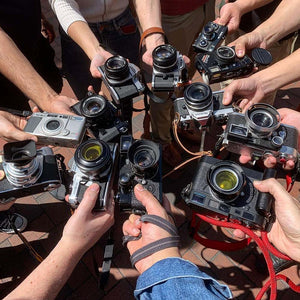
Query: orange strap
[{"x": 148, "y": 32}]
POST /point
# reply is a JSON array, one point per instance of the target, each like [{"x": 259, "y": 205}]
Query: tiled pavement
[{"x": 244, "y": 270}]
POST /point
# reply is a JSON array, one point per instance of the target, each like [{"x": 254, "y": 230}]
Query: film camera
[
  {"x": 140, "y": 162},
  {"x": 223, "y": 64},
  {"x": 28, "y": 171},
  {"x": 56, "y": 129},
  {"x": 121, "y": 78},
  {"x": 93, "y": 162},
  {"x": 169, "y": 69},
  {"x": 259, "y": 133},
  {"x": 199, "y": 104},
  {"x": 225, "y": 189},
  {"x": 101, "y": 117},
  {"x": 210, "y": 38}
]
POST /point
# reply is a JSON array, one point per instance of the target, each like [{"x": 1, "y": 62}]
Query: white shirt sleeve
[{"x": 67, "y": 12}]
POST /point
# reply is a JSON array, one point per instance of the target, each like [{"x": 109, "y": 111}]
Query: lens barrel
[
  {"x": 116, "y": 68},
  {"x": 164, "y": 58},
  {"x": 225, "y": 54}
]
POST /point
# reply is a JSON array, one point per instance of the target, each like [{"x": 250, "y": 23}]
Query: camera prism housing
[
  {"x": 56, "y": 129},
  {"x": 101, "y": 117},
  {"x": 223, "y": 64},
  {"x": 199, "y": 104},
  {"x": 140, "y": 162},
  {"x": 258, "y": 133},
  {"x": 169, "y": 69},
  {"x": 94, "y": 161},
  {"x": 27, "y": 171},
  {"x": 224, "y": 189},
  {"x": 121, "y": 78},
  {"x": 210, "y": 37}
]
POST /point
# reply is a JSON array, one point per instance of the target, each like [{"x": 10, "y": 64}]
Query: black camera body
[
  {"x": 258, "y": 133},
  {"x": 202, "y": 106},
  {"x": 101, "y": 117},
  {"x": 121, "y": 78},
  {"x": 223, "y": 64},
  {"x": 94, "y": 161},
  {"x": 210, "y": 37},
  {"x": 28, "y": 171},
  {"x": 224, "y": 189},
  {"x": 169, "y": 69},
  {"x": 140, "y": 162}
]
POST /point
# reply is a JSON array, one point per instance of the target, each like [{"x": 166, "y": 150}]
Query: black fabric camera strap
[{"x": 168, "y": 242}]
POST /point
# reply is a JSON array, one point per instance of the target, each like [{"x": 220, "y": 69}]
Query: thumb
[
  {"x": 18, "y": 135},
  {"x": 89, "y": 199}
]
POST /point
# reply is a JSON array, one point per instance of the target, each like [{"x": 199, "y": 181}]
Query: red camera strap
[{"x": 263, "y": 243}]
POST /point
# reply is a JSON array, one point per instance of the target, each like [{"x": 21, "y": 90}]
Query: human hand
[
  {"x": 86, "y": 226},
  {"x": 230, "y": 15},
  {"x": 11, "y": 128},
  {"x": 150, "y": 233},
  {"x": 98, "y": 60},
  {"x": 60, "y": 104}
]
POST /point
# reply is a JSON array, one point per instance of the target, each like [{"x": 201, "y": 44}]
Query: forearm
[
  {"x": 16, "y": 68},
  {"x": 49, "y": 277},
  {"x": 247, "y": 6},
  {"x": 283, "y": 21}
]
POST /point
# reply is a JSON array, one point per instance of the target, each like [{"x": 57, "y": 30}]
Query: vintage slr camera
[
  {"x": 101, "y": 117},
  {"x": 28, "y": 171},
  {"x": 199, "y": 104},
  {"x": 259, "y": 133},
  {"x": 223, "y": 64},
  {"x": 225, "y": 189},
  {"x": 56, "y": 129},
  {"x": 140, "y": 162},
  {"x": 210, "y": 38},
  {"x": 121, "y": 78},
  {"x": 169, "y": 69},
  {"x": 93, "y": 162}
]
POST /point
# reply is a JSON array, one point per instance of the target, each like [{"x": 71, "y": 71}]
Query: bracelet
[{"x": 148, "y": 32}]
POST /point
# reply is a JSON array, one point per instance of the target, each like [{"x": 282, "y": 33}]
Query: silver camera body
[{"x": 56, "y": 129}]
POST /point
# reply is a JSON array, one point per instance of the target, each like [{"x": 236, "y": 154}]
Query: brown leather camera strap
[{"x": 148, "y": 32}]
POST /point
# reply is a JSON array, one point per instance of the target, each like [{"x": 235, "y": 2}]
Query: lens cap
[
  {"x": 18, "y": 152},
  {"x": 261, "y": 56}
]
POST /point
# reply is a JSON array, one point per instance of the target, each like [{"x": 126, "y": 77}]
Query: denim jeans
[
  {"x": 175, "y": 278},
  {"x": 118, "y": 36}
]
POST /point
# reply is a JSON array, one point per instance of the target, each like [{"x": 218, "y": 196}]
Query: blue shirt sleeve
[{"x": 175, "y": 278}]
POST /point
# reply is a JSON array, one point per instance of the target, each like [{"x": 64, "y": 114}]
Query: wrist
[
  {"x": 152, "y": 37},
  {"x": 72, "y": 247}
]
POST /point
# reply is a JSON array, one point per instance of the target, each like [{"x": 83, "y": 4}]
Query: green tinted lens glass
[
  {"x": 91, "y": 152},
  {"x": 226, "y": 180}
]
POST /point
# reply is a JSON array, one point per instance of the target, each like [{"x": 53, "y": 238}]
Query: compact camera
[
  {"x": 121, "y": 78},
  {"x": 210, "y": 38},
  {"x": 169, "y": 69},
  {"x": 56, "y": 129},
  {"x": 223, "y": 64},
  {"x": 140, "y": 162},
  {"x": 199, "y": 104},
  {"x": 224, "y": 189},
  {"x": 27, "y": 171},
  {"x": 101, "y": 117},
  {"x": 259, "y": 133},
  {"x": 93, "y": 162}
]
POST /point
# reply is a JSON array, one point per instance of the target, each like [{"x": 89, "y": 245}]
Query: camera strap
[
  {"x": 262, "y": 242},
  {"x": 19, "y": 113}
]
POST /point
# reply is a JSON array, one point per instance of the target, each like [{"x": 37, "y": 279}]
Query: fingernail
[
  {"x": 140, "y": 188},
  {"x": 95, "y": 187},
  {"x": 240, "y": 53},
  {"x": 136, "y": 231},
  {"x": 256, "y": 182}
]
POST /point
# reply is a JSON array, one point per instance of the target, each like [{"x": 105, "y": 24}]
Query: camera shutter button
[{"x": 277, "y": 141}]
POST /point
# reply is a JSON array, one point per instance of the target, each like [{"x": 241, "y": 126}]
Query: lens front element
[
  {"x": 226, "y": 180},
  {"x": 91, "y": 152}
]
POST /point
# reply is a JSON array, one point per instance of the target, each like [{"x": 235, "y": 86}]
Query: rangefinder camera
[
  {"x": 140, "y": 162},
  {"x": 121, "y": 78},
  {"x": 93, "y": 162},
  {"x": 169, "y": 69},
  {"x": 210, "y": 37},
  {"x": 101, "y": 117},
  {"x": 225, "y": 190},
  {"x": 199, "y": 104},
  {"x": 56, "y": 129},
  {"x": 223, "y": 64},
  {"x": 28, "y": 171},
  {"x": 258, "y": 133}
]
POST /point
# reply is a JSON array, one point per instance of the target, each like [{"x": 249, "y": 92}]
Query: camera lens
[
  {"x": 144, "y": 156},
  {"x": 262, "y": 119},
  {"x": 209, "y": 31},
  {"x": 94, "y": 107},
  {"x": 116, "y": 67},
  {"x": 225, "y": 53},
  {"x": 93, "y": 157},
  {"x": 198, "y": 96},
  {"x": 53, "y": 125},
  {"x": 227, "y": 180},
  {"x": 164, "y": 58}
]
